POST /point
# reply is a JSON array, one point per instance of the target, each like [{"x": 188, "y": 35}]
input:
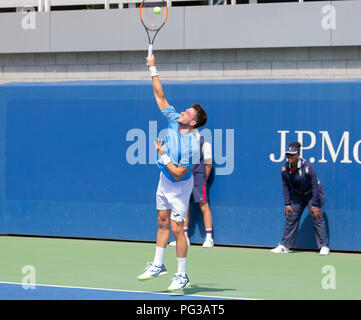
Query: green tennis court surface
[{"x": 229, "y": 272}]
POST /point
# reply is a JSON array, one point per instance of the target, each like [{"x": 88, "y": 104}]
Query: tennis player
[{"x": 176, "y": 157}]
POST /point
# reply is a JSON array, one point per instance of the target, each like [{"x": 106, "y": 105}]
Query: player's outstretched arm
[{"x": 157, "y": 86}]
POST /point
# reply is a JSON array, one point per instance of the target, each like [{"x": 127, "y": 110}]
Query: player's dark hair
[
  {"x": 201, "y": 116},
  {"x": 295, "y": 144}
]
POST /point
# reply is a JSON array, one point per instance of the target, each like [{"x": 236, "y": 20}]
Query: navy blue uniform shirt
[{"x": 302, "y": 181}]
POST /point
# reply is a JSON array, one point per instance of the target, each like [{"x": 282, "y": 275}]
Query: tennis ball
[{"x": 157, "y": 10}]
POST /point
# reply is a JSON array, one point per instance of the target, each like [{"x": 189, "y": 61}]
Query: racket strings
[{"x": 153, "y": 21}]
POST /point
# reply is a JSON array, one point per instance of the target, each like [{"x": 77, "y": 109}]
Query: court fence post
[
  {"x": 40, "y": 5},
  {"x": 47, "y": 5}
]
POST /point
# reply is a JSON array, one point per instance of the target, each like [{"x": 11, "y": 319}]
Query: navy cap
[{"x": 292, "y": 150}]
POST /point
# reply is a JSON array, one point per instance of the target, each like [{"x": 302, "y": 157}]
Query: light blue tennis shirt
[{"x": 181, "y": 148}]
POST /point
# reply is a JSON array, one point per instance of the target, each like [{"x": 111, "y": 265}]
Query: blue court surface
[{"x": 16, "y": 291}]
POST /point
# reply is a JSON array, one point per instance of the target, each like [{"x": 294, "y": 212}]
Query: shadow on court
[{"x": 201, "y": 288}]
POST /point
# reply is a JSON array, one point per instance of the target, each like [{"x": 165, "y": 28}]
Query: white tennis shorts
[{"x": 174, "y": 196}]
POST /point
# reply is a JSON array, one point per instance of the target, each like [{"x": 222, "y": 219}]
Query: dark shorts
[{"x": 199, "y": 194}]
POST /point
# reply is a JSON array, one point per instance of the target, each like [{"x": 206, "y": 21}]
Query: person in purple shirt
[{"x": 301, "y": 189}]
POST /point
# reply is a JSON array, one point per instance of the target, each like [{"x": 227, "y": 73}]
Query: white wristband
[
  {"x": 153, "y": 71},
  {"x": 165, "y": 159}
]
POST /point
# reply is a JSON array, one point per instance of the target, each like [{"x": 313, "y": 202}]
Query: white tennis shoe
[
  {"x": 280, "y": 249},
  {"x": 325, "y": 251},
  {"x": 179, "y": 282},
  {"x": 208, "y": 243},
  {"x": 174, "y": 243},
  {"x": 152, "y": 271}
]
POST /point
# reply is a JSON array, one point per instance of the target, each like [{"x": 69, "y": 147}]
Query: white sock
[
  {"x": 159, "y": 255},
  {"x": 182, "y": 265},
  {"x": 209, "y": 233},
  {"x": 185, "y": 229}
]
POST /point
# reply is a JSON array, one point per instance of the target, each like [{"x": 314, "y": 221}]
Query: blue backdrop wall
[{"x": 77, "y": 158}]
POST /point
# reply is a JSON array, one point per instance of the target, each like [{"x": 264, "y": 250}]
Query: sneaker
[
  {"x": 208, "y": 243},
  {"x": 325, "y": 251},
  {"x": 152, "y": 271},
  {"x": 280, "y": 249},
  {"x": 179, "y": 282},
  {"x": 174, "y": 243}
]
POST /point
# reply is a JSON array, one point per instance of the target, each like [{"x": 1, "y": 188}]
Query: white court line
[{"x": 131, "y": 291}]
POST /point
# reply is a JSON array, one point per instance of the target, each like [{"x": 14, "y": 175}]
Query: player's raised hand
[
  {"x": 150, "y": 61},
  {"x": 159, "y": 146}
]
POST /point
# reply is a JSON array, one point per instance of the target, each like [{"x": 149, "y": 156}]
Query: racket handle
[{"x": 150, "y": 50}]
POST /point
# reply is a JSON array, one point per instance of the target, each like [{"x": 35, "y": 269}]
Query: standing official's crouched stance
[{"x": 301, "y": 189}]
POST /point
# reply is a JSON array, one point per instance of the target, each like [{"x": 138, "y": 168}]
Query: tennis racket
[{"x": 153, "y": 15}]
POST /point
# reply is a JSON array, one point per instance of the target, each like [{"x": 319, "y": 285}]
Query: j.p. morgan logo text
[{"x": 332, "y": 149}]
